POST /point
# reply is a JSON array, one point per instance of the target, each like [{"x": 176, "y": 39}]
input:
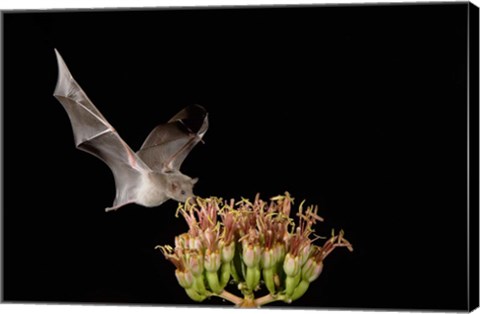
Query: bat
[{"x": 149, "y": 177}]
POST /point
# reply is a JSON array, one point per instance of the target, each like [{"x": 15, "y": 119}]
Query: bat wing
[
  {"x": 93, "y": 134},
  {"x": 167, "y": 146}
]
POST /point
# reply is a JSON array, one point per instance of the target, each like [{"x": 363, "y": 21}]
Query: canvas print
[{"x": 321, "y": 157}]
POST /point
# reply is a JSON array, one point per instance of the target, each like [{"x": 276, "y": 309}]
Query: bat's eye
[{"x": 183, "y": 192}]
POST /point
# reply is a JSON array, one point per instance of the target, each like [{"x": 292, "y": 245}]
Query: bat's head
[{"x": 180, "y": 187}]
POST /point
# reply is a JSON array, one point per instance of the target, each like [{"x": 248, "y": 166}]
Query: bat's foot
[{"x": 115, "y": 207}]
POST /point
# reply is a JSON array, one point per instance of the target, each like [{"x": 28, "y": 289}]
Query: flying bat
[{"x": 150, "y": 176}]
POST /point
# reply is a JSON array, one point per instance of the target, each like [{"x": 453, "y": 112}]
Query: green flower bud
[
  {"x": 291, "y": 265},
  {"x": 185, "y": 278},
  {"x": 228, "y": 252},
  {"x": 268, "y": 278},
  {"x": 311, "y": 270},
  {"x": 251, "y": 255},
  {"x": 252, "y": 277},
  {"x": 199, "y": 285},
  {"x": 300, "y": 290},
  {"x": 212, "y": 261},
  {"x": 267, "y": 260},
  {"x": 225, "y": 273},
  {"x": 291, "y": 283},
  {"x": 194, "y": 295},
  {"x": 213, "y": 282},
  {"x": 279, "y": 252}
]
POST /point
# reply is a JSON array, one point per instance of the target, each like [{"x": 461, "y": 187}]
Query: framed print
[{"x": 301, "y": 156}]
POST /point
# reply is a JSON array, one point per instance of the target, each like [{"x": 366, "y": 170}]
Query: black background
[{"x": 360, "y": 109}]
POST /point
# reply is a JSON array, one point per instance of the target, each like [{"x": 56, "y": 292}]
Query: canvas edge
[{"x": 473, "y": 155}]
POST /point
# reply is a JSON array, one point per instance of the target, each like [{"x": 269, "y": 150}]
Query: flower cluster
[{"x": 252, "y": 243}]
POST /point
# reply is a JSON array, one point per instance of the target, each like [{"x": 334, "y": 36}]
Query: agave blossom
[{"x": 249, "y": 244}]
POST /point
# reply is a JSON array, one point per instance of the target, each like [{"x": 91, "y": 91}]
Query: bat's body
[{"x": 150, "y": 176}]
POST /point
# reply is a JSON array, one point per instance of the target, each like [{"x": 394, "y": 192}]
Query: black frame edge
[{"x": 473, "y": 102}]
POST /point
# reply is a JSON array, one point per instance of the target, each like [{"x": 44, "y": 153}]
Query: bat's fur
[{"x": 152, "y": 175}]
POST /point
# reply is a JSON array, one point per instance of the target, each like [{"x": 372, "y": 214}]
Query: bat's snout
[{"x": 191, "y": 200}]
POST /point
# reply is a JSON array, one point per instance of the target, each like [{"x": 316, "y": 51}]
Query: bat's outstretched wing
[
  {"x": 93, "y": 134},
  {"x": 167, "y": 146}
]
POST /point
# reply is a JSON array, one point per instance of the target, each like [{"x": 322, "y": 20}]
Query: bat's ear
[{"x": 194, "y": 180}]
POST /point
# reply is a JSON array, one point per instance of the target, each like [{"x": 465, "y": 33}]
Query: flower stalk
[{"x": 249, "y": 244}]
